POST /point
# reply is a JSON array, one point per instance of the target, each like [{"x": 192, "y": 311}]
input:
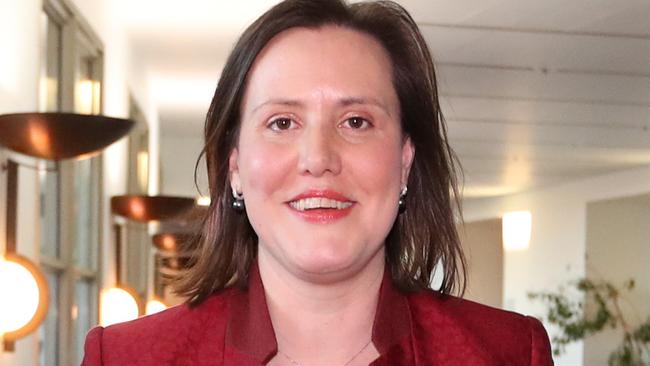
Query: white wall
[
  {"x": 481, "y": 242},
  {"x": 618, "y": 249},
  {"x": 558, "y": 243},
  {"x": 178, "y": 156},
  {"x": 19, "y": 55},
  {"x": 19, "y": 74}
]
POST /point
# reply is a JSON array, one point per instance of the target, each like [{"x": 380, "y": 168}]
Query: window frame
[{"x": 76, "y": 37}]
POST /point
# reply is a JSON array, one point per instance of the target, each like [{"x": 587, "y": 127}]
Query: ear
[
  {"x": 408, "y": 154},
  {"x": 233, "y": 170}
]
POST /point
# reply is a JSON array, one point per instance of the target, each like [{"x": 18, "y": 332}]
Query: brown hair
[{"x": 421, "y": 238}]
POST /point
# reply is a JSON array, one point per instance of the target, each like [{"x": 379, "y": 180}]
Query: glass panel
[
  {"x": 51, "y": 74},
  {"x": 86, "y": 212},
  {"x": 137, "y": 251},
  {"x": 87, "y": 82},
  {"x": 49, "y": 214},
  {"x": 138, "y": 173},
  {"x": 142, "y": 169},
  {"x": 82, "y": 315},
  {"x": 49, "y": 330}
]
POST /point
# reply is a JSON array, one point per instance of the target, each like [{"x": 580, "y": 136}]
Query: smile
[
  {"x": 318, "y": 202},
  {"x": 321, "y": 206}
]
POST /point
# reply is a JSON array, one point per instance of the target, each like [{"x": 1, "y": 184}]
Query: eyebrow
[
  {"x": 367, "y": 100},
  {"x": 277, "y": 101},
  {"x": 344, "y": 102}
]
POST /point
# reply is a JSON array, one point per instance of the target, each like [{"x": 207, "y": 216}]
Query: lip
[{"x": 322, "y": 216}]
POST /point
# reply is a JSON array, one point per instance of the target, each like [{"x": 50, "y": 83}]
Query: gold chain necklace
[{"x": 296, "y": 363}]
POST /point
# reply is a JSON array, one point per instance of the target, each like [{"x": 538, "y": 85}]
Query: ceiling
[{"x": 535, "y": 92}]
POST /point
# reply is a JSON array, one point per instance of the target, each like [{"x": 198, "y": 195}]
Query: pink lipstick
[{"x": 321, "y": 206}]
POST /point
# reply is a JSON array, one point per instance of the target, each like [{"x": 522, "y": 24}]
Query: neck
[{"x": 316, "y": 318}]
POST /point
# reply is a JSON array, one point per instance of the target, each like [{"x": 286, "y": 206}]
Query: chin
[
  {"x": 330, "y": 264},
  {"x": 323, "y": 266}
]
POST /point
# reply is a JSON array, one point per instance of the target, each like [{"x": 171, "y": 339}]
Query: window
[
  {"x": 70, "y": 194},
  {"x": 137, "y": 246}
]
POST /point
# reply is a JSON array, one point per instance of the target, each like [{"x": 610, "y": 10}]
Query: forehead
[{"x": 330, "y": 60}]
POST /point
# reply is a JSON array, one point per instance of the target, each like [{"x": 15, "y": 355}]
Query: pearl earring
[
  {"x": 402, "y": 200},
  {"x": 238, "y": 201}
]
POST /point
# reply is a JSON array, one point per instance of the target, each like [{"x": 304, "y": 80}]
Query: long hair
[{"x": 421, "y": 238}]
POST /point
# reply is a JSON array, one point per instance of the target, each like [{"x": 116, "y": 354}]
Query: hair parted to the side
[{"x": 421, "y": 238}]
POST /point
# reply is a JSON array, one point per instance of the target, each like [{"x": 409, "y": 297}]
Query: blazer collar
[{"x": 250, "y": 330}]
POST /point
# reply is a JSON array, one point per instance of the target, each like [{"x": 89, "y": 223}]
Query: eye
[
  {"x": 281, "y": 124},
  {"x": 357, "y": 123}
]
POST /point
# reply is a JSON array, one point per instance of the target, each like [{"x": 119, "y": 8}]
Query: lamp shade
[
  {"x": 150, "y": 208},
  {"x": 118, "y": 304},
  {"x": 25, "y": 297},
  {"x": 58, "y": 136}
]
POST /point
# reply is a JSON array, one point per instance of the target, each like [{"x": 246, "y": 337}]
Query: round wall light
[
  {"x": 25, "y": 298},
  {"x": 118, "y": 304},
  {"x": 155, "y": 306}
]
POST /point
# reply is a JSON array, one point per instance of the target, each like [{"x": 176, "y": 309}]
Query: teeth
[{"x": 318, "y": 202}]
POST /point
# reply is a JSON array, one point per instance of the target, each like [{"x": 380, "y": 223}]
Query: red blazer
[{"x": 233, "y": 327}]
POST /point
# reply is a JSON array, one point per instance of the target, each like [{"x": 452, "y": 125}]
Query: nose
[{"x": 318, "y": 153}]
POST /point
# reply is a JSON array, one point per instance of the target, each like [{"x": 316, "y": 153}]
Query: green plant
[{"x": 576, "y": 323}]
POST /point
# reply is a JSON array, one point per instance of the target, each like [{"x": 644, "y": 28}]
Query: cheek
[
  {"x": 376, "y": 175},
  {"x": 377, "y": 171},
  {"x": 264, "y": 168}
]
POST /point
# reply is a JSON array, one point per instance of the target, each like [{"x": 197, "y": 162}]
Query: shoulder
[
  {"x": 467, "y": 312},
  {"x": 502, "y": 336},
  {"x": 154, "y": 338}
]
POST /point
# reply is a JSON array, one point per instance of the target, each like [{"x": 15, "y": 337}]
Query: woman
[{"x": 312, "y": 253}]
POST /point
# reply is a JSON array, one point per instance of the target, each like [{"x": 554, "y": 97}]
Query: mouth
[
  {"x": 321, "y": 206},
  {"x": 315, "y": 203}
]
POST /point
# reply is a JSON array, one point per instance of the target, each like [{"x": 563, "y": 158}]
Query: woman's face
[{"x": 321, "y": 158}]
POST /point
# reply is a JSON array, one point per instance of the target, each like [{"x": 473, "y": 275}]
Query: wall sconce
[
  {"x": 59, "y": 136},
  {"x": 142, "y": 209},
  {"x": 174, "y": 253},
  {"x": 25, "y": 287},
  {"x": 517, "y": 226},
  {"x": 120, "y": 303},
  {"x": 50, "y": 136},
  {"x": 150, "y": 208},
  {"x": 21, "y": 281}
]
